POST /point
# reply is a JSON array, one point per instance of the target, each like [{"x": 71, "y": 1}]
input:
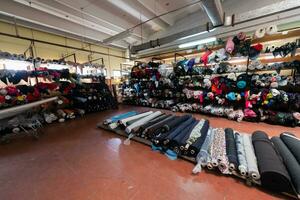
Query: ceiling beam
[{"x": 34, "y": 16}]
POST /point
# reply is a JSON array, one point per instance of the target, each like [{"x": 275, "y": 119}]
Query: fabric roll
[
  {"x": 260, "y": 33},
  {"x": 142, "y": 121},
  {"x": 243, "y": 169},
  {"x": 195, "y": 147},
  {"x": 170, "y": 125},
  {"x": 212, "y": 161},
  {"x": 180, "y": 139},
  {"x": 218, "y": 152},
  {"x": 271, "y": 30},
  {"x": 155, "y": 128},
  {"x": 231, "y": 150},
  {"x": 153, "y": 121},
  {"x": 203, "y": 157},
  {"x": 123, "y": 121},
  {"x": 178, "y": 130},
  {"x": 159, "y": 139},
  {"x": 134, "y": 120},
  {"x": 289, "y": 160},
  {"x": 274, "y": 175},
  {"x": 119, "y": 117},
  {"x": 195, "y": 134},
  {"x": 250, "y": 157},
  {"x": 293, "y": 143}
]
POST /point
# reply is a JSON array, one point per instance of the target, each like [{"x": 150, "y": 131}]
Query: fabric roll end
[
  {"x": 197, "y": 169},
  {"x": 231, "y": 167}
]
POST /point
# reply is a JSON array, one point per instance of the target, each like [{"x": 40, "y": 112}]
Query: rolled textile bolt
[
  {"x": 221, "y": 165},
  {"x": 166, "y": 142},
  {"x": 16, "y": 130},
  {"x": 231, "y": 167},
  {"x": 214, "y": 163},
  {"x": 186, "y": 147},
  {"x": 243, "y": 171},
  {"x": 181, "y": 148},
  {"x": 255, "y": 176},
  {"x": 192, "y": 152},
  {"x": 176, "y": 149},
  {"x": 210, "y": 166}
]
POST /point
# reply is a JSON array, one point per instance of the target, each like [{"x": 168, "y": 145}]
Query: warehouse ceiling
[{"x": 108, "y": 21}]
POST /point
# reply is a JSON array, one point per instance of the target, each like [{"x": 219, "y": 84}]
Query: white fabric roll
[
  {"x": 250, "y": 157},
  {"x": 271, "y": 30},
  {"x": 260, "y": 33},
  {"x": 143, "y": 121},
  {"x": 123, "y": 121}
]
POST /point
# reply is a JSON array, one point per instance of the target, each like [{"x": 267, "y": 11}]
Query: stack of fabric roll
[{"x": 272, "y": 163}]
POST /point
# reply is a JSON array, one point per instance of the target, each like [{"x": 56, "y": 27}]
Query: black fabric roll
[
  {"x": 171, "y": 124},
  {"x": 161, "y": 137},
  {"x": 293, "y": 143},
  {"x": 290, "y": 162},
  {"x": 194, "y": 149},
  {"x": 181, "y": 138},
  {"x": 231, "y": 150},
  {"x": 178, "y": 130},
  {"x": 274, "y": 175},
  {"x": 151, "y": 131},
  {"x": 153, "y": 121}
]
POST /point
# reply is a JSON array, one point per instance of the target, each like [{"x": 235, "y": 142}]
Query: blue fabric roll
[{"x": 119, "y": 117}]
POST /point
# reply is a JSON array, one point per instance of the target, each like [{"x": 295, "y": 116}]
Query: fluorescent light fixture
[
  {"x": 198, "y": 42},
  {"x": 201, "y": 33}
]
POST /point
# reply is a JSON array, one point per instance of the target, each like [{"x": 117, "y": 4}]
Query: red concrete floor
[{"x": 75, "y": 160}]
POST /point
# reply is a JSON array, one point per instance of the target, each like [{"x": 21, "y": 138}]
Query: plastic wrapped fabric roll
[
  {"x": 231, "y": 149},
  {"x": 123, "y": 121},
  {"x": 142, "y": 121},
  {"x": 180, "y": 139},
  {"x": 178, "y": 130},
  {"x": 250, "y": 158},
  {"x": 290, "y": 162},
  {"x": 243, "y": 169},
  {"x": 273, "y": 173},
  {"x": 155, "y": 128},
  {"x": 293, "y": 143},
  {"x": 195, "y": 147},
  {"x": 203, "y": 156},
  {"x": 171, "y": 124},
  {"x": 119, "y": 117}
]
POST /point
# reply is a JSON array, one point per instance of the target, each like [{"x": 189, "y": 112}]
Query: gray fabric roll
[
  {"x": 142, "y": 121},
  {"x": 203, "y": 155},
  {"x": 250, "y": 157},
  {"x": 241, "y": 154}
]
